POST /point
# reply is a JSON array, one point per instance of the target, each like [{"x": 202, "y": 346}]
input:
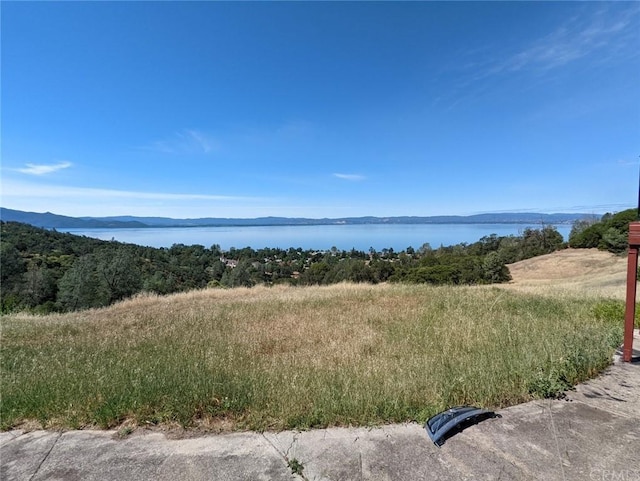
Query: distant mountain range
[{"x": 54, "y": 221}]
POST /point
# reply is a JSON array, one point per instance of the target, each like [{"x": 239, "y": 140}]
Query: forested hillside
[
  {"x": 45, "y": 271},
  {"x": 609, "y": 233}
]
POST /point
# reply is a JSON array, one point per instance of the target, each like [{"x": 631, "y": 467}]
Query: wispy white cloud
[
  {"x": 628, "y": 162},
  {"x": 32, "y": 196},
  {"x": 565, "y": 209},
  {"x": 602, "y": 34},
  {"x": 32, "y": 190},
  {"x": 202, "y": 141},
  {"x": 599, "y": 35},
  {"x": 43, "y": 169},
  {"x": 607, "y": 33},
  {"x": 186, "y": 141},
  {"x": 351, "y": 177}
]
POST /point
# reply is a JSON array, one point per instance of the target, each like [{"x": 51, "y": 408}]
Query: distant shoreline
[
  {"x": 53, "y": 221},
  {"x": 337, "y": 224}
]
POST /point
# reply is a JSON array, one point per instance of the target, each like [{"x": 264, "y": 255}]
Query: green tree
[
  {"x": 239, "y": 276},
  {"x": 80, "y": 286},
  {"x": 578, "y": 227},
  {"x": 614, "y": 240},
  {"x": 381, "y": 270},
  {"x": 39, "y": 286},
  {"x": 12, "y": 270},
  {"x": 601, "y": 235},
  {"x": 118, "y": 273},
  {"x": 216, "y": 270},
  {"x": 315, "y": 274},
  {"x": 437, "y": 274},
  {"x": 494, "y": 268},
  {"x": 425, "y": 249},
  {"x": 353, "y": 270},
  {"x": 11, "y": 263}
]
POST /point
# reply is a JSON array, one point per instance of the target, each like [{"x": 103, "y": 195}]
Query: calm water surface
[{"x": 321, "y": 237}]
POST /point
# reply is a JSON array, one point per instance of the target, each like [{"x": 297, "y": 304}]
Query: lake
[{"x": 320, "y": 237}]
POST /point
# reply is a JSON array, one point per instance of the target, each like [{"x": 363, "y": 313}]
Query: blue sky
[{"x": 325, "y": 109}]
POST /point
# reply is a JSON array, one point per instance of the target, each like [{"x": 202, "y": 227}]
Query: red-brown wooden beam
[{"x": 632, "y": 279}]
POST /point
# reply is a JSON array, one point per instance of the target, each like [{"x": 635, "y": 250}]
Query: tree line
[
  {"x": 47, "y": 271},
  {"x": 610, "y": 232}
]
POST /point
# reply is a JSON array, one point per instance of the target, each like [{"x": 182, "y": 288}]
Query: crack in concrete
[
  {"x": 285, "y": 455},
  {"x": 293, "y": 441},
  {"x": 46, "y": 456},
  {"x": 272, "y": 445},
  {"x": 555, "y": 435}
]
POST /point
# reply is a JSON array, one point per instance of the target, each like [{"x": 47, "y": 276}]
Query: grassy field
[
  {"x": 582, "y": 272},
  {"x": 278, "y": 358}
]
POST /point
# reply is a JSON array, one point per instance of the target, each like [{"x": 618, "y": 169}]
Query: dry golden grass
[
  {"x": 582, "y": 272},
  {"x": 286, "y": 357}
]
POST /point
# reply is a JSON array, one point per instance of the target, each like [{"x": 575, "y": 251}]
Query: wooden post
[{"x": 632, "y": 279}]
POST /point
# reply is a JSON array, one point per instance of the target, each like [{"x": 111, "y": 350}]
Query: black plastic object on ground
[{"x": 445, "y": 424}]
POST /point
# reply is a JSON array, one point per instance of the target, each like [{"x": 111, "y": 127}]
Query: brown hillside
[{"x": 589, "y": 271}]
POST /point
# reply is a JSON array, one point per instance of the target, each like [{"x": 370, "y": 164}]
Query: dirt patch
[{"x": 590, "y": 271}]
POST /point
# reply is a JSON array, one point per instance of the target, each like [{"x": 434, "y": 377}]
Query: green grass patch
[{"x": 284, "y": 358}]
